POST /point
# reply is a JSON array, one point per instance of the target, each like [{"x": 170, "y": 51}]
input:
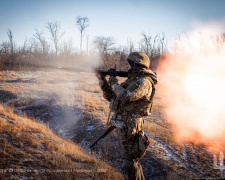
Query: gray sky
[{"x": 121, "y": 19}]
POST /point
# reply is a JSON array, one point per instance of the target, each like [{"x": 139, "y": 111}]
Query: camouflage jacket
[{"x": 132, "y": 96}]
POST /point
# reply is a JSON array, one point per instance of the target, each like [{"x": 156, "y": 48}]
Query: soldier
[{"x": 131, "y": 101}]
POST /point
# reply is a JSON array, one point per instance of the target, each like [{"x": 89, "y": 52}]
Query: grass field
[{"x": 50, "y": 118}]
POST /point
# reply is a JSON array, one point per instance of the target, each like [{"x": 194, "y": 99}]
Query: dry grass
[{"x": 26, "y": 144}]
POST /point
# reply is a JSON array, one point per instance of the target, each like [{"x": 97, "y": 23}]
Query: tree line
[{"x": 37, "y": 51}]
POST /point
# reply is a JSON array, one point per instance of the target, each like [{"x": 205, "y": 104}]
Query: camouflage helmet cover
[{"x": 139, "y": 58}]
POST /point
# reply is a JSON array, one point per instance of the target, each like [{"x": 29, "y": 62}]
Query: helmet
[{"x": 139, "y": 58}]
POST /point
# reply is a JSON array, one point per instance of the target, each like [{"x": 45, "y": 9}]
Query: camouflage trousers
[{"x": 133, "y": 147}]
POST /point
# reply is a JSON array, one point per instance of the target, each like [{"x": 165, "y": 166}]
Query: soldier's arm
[
  {"x": 136, "y": 91},
  {"x": 107, "y": 92}
]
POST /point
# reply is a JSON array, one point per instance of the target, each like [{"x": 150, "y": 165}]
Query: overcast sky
[{"x": 121, "y": 19}]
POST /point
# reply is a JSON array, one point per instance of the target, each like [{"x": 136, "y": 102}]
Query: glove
[
  {"x": 113, "y": 80},
  {"x": 101, "y": 79},
  {"x": 99, "y": 76}
]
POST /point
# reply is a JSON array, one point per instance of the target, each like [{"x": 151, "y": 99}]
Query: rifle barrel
[{"x": 113, "y": 73}]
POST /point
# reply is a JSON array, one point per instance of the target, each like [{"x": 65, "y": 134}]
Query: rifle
[
  {"x": 112, "y": 72},
  {"x": 109, "y": 130}
]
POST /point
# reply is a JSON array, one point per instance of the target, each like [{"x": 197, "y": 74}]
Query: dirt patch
[
  {"x": 5, "y": 96},
  {"x": 19, "y": 80}
]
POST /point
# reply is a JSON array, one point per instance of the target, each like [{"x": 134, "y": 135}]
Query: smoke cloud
[{"x": 192, "y": 83}]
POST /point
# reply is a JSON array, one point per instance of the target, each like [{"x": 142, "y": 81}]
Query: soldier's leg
[
  {"x": 135, "y": 125},
  {"x": 134, "y": 170},
  {"x": 126, "y": 137},
  {"x": 139, "y": 172}
]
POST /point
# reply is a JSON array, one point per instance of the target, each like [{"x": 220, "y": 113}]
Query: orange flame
[{"x": 192, "y": 82}]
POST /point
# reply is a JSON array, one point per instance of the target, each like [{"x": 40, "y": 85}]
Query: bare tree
[
  {"x": 54, "y": 28},
  {"x": 82, "y": 23},
  {"x": 104, "y": 44},
  {"x": 11, "y": 43},
  {"x": 162, "y": 41},
  {"x": 34, "y": 47},
  {"x": 130, "y": 45},
  {"x": 105, "y": 47},
  {"x": 146, "y": 46},
  {"x": 44, "y": 44},
  {"x": 151, "y": 45},
  {"x": 67, "y": 48},
  {"x": 5, "y": 48}
]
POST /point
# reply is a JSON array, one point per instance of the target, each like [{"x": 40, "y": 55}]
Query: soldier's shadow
[{"x": 153, "y": 167}]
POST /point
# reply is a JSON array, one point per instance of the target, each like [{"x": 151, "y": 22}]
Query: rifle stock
[{"x": 109, "y": 130}]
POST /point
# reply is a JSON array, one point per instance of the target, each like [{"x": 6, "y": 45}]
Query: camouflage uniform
[{"x": 130, "y": 102}]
